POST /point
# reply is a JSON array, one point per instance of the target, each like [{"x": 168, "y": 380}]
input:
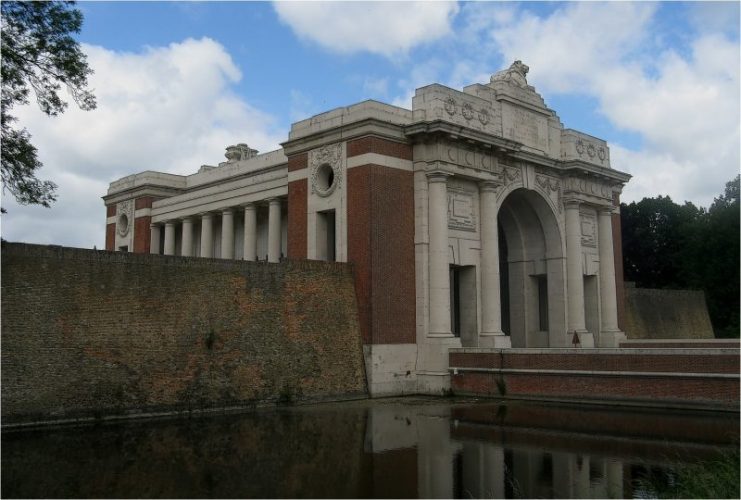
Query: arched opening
[{"x": 532, "y": 271}]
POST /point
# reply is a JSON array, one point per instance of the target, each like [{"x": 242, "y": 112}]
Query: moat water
[{"x": 392, "y": 448}]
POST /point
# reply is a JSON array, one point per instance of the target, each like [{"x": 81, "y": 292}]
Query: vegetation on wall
[{"x": 666, "y": 245}]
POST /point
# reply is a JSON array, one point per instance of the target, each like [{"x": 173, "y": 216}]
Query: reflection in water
[{"x": 402, "y": 448}]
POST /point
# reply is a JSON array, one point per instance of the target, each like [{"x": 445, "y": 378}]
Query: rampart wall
[
  {"x": 89, "y": 334},
  {"x": 666, "y": 314}
]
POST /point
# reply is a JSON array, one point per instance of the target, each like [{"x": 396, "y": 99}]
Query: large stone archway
[{"x": 532, "y": 267}]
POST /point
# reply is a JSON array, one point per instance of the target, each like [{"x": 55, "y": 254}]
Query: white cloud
[
  {"x": 685, "y": 106},
  {"x": 385, "y": 28},
  {"x": 169, "y": 109}
]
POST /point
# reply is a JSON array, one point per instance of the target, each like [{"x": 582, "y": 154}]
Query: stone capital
[
  {"x": 489, "y": 186},
  {"x": 226, "y": 211},
  {"x": 437, "y": 176},
  {"x": 572, "y": 203}
]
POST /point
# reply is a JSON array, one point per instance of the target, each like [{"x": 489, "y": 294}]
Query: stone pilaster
[
  {"x": 154, "y": 238},
  {"x": 227, "y": 234},
  {"x": 207, "y": 235},
  {"x": 274, "y": 230},
  {"x": 491, "y": 313},
  {"x": 170, "y": 238},
  {"x": 250, "y": 232},
  {"x": 439, "y": 269},
  {"x": 574, "y": 272},
  {"x": 610, "y": 334},
  {"x": 187, "y": 243}
]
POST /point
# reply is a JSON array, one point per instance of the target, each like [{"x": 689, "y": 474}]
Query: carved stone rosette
[
  {"x": 125, "y": 217},
  {"x": 331, "y": 156}
]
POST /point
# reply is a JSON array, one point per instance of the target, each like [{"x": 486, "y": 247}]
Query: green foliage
[
  {"x": 39, "y": 54},
  {"x": 713, "y": 479},
  {"x": 666, "y": 245}
]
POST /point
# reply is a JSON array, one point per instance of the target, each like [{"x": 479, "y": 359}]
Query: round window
[
  {"x": 123, "y": 224},
  {"x": 324, "y": 181}
]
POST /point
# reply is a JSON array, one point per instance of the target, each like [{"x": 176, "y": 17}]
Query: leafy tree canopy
[
  {"x": 39, "y": 54},
  {"x": 666, "y": 245}
]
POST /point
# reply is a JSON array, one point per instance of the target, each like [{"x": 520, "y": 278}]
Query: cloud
[
  {"x": 169, "y": 109},
  {"x": 385, "y": 28},
  {"x": 683, "y": 101}
]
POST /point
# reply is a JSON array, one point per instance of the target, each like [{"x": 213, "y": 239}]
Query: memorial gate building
[{"x": 475, "y": 219}]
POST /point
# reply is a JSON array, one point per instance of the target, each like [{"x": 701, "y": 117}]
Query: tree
[
  {"x": 39, "y": 54},
  {"x": 666, "y": 245},
  {"x": 657, "y": 236}
]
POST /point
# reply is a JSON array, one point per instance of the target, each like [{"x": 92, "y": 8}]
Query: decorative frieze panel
[
  {"x": 589, "y": 187},
  {"x": 438, "y": 102},
  {"x": 588, "y": 230},
  {"x": 577, "y": 146},
  {"x": 551, "y": 187},
  {"x": 461, "y": 212},
  {"x": 325, "y": 166},
  {"x": 512, "y": 175},
  {"x": 471, "y": 157}
]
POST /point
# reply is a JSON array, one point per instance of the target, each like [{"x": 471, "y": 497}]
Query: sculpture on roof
[
  {"x": 514, "y": 75},
  {"x": 239, "y": 152}
]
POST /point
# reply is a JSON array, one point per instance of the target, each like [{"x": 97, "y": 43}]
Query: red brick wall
[
  {"x": 599, "y": 384},
  {"x": 297, "y": 200},
  {"x": 110, "y": 237},
  {"x": 727, "y": 363},
  {"x": 110, "y": 210},
  {"x": 359, "y": 243},
  {"x": 143, "y": 202},
  {"x": 297, "y": 162},
  {"x": 380, "y": 243},
  {"x": 142, "y": 233},
  {"x": 371, "y": 144},
  {"x": 151, "y": 332},
  {"x": 617, "y": 245}
]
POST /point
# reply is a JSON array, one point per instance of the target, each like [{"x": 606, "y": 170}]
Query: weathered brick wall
[
  {"x": 87, "y": 333},
  {"x": 666, "y": 314},
  {"x": 655, "y": 376}
]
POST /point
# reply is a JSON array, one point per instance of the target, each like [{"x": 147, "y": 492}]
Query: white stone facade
[{"x": 512, "y": 219}]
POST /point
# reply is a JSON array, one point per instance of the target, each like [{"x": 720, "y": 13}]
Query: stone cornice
[
  {"x": 459, "y": 132},
  {"x": 364, "y": 127}
]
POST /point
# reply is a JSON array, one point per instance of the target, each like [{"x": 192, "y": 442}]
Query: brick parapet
[
  {"x": 656, "y": 376},
  {"x": 153, "y": 333}
]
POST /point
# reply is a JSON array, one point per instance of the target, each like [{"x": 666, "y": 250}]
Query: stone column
[
  {"x": 439, "y": 267},
  {"x": 274, "y": 230},
  {"x": 187, "y": 243},
  {"x": 574, "y": 273},
  {"x": 207, "y": 235},
  {"x": 154, "y": 238},
  {"x": 250, "y": 232},
  {"x": 607, "y": 290},
  {"x": 227, "y": 234},
  {"x": 491, "y": 314},
  {"x": 169, "y": 238}
]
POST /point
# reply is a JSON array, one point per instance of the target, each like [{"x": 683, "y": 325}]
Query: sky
[{"x": 177, "y": 82}]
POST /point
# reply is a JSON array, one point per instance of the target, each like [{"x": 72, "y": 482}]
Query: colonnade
[
  {"x": 491, "y": 334},
  {"x": 227, "y": 233}
]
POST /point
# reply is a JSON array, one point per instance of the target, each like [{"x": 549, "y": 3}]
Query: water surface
[{"x": 391, "y": 448}]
